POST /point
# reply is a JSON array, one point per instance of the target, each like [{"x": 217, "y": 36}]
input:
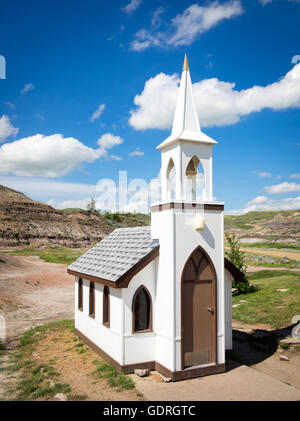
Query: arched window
[
  {"x": 106, "y": 306},
  {"x": 80, "y": 296},
  {"x": 171, "y": 180},
  {"x": 142, "y": 311},
  {"x": 194, "y": 180},
  {"x": 92, "y": 300}
]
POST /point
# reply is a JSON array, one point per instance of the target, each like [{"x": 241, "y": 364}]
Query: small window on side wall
[
  {"x": 106, "y": 305},
  {"x": 142, "y": 311},
  {"x": 80, "y": 294},
  {"x": 92, "y": 300}
]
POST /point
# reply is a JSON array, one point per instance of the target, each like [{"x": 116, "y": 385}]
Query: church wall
[
  {"x": 162, "y": 228},
  {"x": 139, "y": 347},
  {"x": 108, "y": 339}
]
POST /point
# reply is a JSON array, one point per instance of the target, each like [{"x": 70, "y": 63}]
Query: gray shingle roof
[{"x": 115, "y": 254}]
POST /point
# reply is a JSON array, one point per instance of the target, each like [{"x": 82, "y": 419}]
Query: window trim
[
  {"x": 92, "y": 291},
  {"x": 106, "y": 307},
  {"x": 80, "y": 295},
  {"x": 150, "y": 328}
]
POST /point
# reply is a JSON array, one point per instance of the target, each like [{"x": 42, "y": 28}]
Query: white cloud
[
  {"x": 137, "y": 152},
  {"x": 27, "y": 88},
  {"x": 107, "y": 141},
  {"x": 6, "y": 128},
  {"x": 156, "y": 17},
  {"x": 81, "y": 203},
  {"x": 282, "y": 188},
  {"x": 218, "y": 103},
  {"x": 258, "y": 200},
  {"x": 185, "y": 28},
  {"x": 50, "y": 156},
  {"x": 132, "y": 6},
  {"x": 115, "y": 158},
  {"x": 42, "y": 187},
  {"x": 40, "y": 116},
  {"x": 295, "y": 176},
  {"x": 263, "y": 174},
  {"x": 262, "y": 203},
  {"x": 10, "y": 105},
  {"x": 264, "y": 2},
  {"x": 97, "y": 113}
]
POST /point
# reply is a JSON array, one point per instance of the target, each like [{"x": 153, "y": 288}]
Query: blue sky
[{"x": 91, "y": 86}]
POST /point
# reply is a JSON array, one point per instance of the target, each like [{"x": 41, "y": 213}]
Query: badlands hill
[
  {"x": 25, "y": 222},
  {"x": 283, "y": 226}
]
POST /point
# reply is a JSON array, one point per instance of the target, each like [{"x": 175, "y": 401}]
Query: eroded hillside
[{"x": 25, "y": 222}]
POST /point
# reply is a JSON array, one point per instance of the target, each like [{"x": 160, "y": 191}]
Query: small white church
[{"x": 159, "y": 297}]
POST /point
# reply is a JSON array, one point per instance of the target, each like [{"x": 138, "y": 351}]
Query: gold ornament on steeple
[{"x": 185, "y": 64}]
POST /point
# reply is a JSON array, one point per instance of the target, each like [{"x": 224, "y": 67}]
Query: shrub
[{"x": 237, "y": 257}]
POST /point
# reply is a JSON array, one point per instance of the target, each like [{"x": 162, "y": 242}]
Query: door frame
[{"x": 214, "y": 288}]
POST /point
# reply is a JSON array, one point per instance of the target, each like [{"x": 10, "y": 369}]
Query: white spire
[
  {"x": 186, "y": 123},
  {"x": 185, "y": 117}
]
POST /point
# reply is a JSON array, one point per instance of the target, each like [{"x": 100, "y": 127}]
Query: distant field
[
  {"x": 55, "y": 254},
  {"x": 274, "y": 246},
  {"x": 267, "y": 305}
]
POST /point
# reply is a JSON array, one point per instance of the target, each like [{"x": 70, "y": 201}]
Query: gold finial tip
[{"x": 185, "y": 64}]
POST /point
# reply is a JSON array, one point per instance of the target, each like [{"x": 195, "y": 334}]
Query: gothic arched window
[
  {"x": 80, "y": 294},
  {"x": 105, "y": 320},
  {"x": 142, "y": 310},
  {"x": 92, "y": 300}
]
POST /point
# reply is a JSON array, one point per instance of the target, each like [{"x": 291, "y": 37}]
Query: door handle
[{"x": 210, "y": 309}]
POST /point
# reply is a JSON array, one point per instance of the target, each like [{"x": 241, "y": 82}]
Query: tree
[
  {"x": 237, "y": 257},
  {"x": 91, "y": 206}
]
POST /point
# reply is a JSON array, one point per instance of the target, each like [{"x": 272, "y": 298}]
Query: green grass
[
  {"x": 55, "y": 254},
  {"x": 41, "y": 381},
  {"x": 114, "y": 379},
  {"x": 36, "y": 381},
  {"x": 71, "y": 211},
  {"x": 266, "y": 304},
  {"x": 245, "y": 226},
  {"x": 120, "y": 219},
  {"x": 274, "y": 245},
  {"x": 256, "y": 216}
]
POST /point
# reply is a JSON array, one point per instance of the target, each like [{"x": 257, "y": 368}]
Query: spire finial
[{"x": 185, "y": 63}]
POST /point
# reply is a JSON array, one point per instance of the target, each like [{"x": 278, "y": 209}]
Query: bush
[{"x": 237, "y": 257}]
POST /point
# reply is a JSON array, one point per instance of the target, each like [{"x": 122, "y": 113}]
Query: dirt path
[
  {"x": 277, "y": 253},
  {"x": 254, "y": 269},
  {"x": 33, "y": 292}
]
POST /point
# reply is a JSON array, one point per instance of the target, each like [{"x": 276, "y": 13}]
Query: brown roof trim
[
  {"x": 92, "y": 278},
  {"x": 235, "y": 272},
  {"x": 183, "y": 205},
  {"x": 124, "y": 280}
]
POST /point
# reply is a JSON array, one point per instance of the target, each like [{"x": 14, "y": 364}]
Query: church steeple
[
  {"x": 186, "y": 123},
  {"x": 186, "y": 149}
]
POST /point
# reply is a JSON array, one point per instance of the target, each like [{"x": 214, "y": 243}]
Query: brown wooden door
[{"x": 198, "y": 318}]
